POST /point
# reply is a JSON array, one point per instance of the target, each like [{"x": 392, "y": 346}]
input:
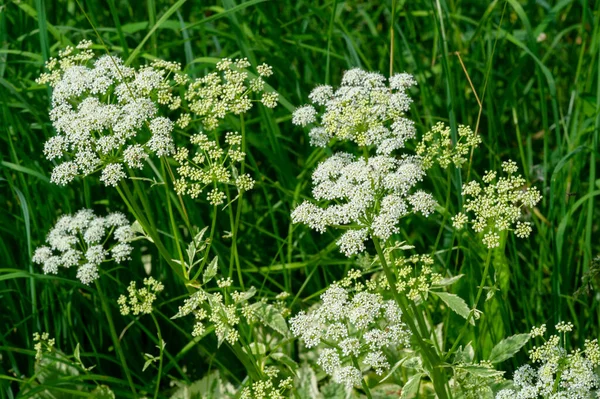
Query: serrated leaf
[
  {"x": 507, "y": 348},
  {"x": 211, "y": 270},
  {"x": 272, "y": 317},
  {"x": 456, "y": 303},
  {"x": 306, "y": 383},
  {"x": 244, "y": 296},
  {"x": 412, "y": 385},
  {"x": 464, "y": 355},
  {"x": 54, "y": 366},
  {"x": 136, "y": 227},
  {"x": 210, "y": 386},
  {"x": 198, "y": 237}
]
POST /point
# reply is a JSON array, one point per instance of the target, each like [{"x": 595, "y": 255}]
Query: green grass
[{"x": 534, "y": 67}]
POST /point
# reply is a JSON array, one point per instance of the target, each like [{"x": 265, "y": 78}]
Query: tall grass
[{"x": 526, "y": 74}]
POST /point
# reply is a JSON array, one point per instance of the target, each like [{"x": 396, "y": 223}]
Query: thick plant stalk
[{"x": 432, "y": 360}]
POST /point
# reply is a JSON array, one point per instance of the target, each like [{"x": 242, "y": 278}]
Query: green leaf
[
  {"x": 210, "y": 386},
  {"x": 412, "y": 385},
  {"x": 211, "y": 270},
  {"x": 456, "y": 303},
  {"x": 507, "y": 348},
  {"x": 482, "y": 371},
  {"x": 244, "y": 296},
  {"x": 285, "y": 359},
  {"x": 271, "y": 316},
  {"x": 464, "y": 355},
  {"x": 148, "y": 363},
  {"x": 306, "y": 382},
  {"x": 76, "y": 354}
]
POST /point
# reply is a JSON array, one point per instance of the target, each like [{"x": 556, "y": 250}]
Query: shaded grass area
[{"x": 525, "y": 74}]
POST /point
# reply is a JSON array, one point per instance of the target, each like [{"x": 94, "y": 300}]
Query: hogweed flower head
[
  {"x": 366, "y": 195},
  {"x": 497, "y": 205},
  {"x": 560, "y": 374},
  {"x": 107, "y": 115},
  {"x": 366, "y": 109},
  {"x": 369, "y": 196},
  {"x": 351, "y": 322},
  {"x": 139, "y": 301},
  {"x": 82, "y": 241}
]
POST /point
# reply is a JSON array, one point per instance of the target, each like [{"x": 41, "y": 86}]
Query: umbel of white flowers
[
  {"x": 367, "y": 195},
  {"x": 109, "y": 116},
  {"x": 82, "y": 241},
  {"x": 560, "y": 374},
  {"x": 351, "y": 323}
]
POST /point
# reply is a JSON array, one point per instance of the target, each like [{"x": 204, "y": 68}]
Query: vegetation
[{"x": 214, "y": 290}]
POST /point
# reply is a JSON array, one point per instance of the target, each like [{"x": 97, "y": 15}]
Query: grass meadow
[{"x": 523, "y": 75}]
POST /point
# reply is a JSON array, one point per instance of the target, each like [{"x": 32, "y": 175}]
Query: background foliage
[{"x": 525, "y": 74}]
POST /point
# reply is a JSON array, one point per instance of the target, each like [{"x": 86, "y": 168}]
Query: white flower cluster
[
  {"x": 370, "y": 197},
  {"x": 497, "y": 206},
  {"x": 351, "y": 324},
  {"x": 140, "y": 301},
  {"x": 560, "y": 374},
  {"x": 268, "y": 388},
  {"x": 211, "y": 166},
  {"x": 416, "y": 276},
  {"x": 82, "y": 241},
  {"x": 106, "y": 114},
  {"x": 436, "y": 146},
  {"x": 365, "y": 109},
  {"x": 228, "y": 90}
]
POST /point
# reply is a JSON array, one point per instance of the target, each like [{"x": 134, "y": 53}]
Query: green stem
[
  {"x": 172, "y": 222},
  {"x": 362, "y": 380},
  {"x": 393, "y": 18},
  {"x": 127, "y": 197},
  {"x": 238, "y": 213},
  {"x": 160, "y": 360},
  {"x": 115, "y": 338},
  {"x": 209, "y": 244},
  {"x": 486, "y": 270},
  {"x": 431, "y": 359}
]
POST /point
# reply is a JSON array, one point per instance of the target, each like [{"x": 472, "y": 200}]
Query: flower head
[{"x": 82, "y": 241}]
